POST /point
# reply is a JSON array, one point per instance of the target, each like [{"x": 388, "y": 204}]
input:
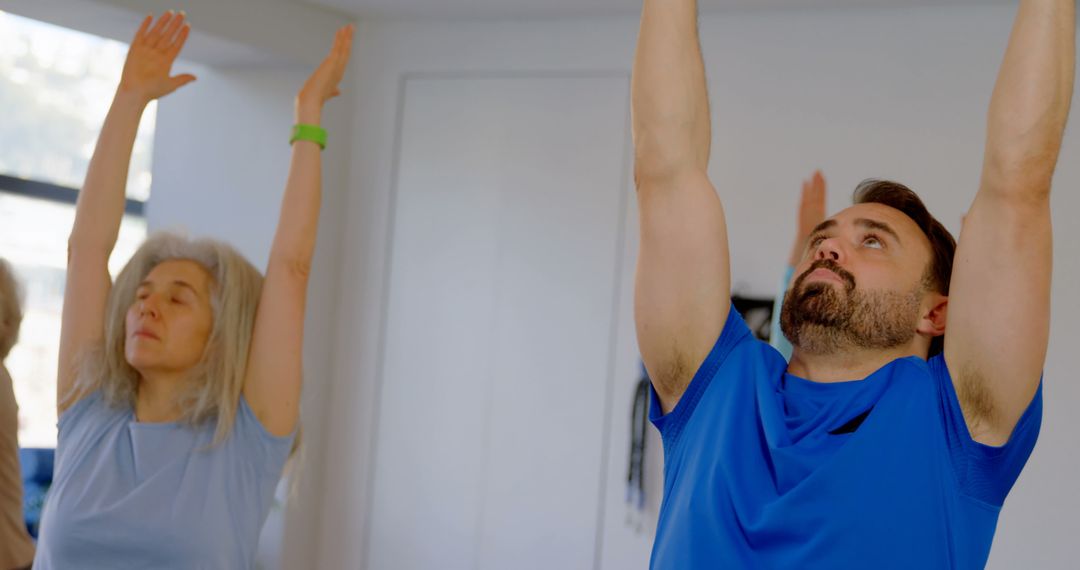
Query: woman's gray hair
[{"x": 218, "y": 380}]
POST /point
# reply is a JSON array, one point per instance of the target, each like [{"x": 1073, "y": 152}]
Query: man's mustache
[{"x": 848, "y": 278}]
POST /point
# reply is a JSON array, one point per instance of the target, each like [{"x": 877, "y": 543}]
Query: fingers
[
  {"x": 179, "y": 81},
  {"x": 179, "y": 41},
  {"x": 153, "y": 37},
  {"x": 171, "y": 33},
  {"x": 819, "y": 182},
  {"x": 183, "y": 79},
  {"x": 323, "y": 83},
  {"x": 338, "y": 59},
  {"x": 166, "y": 31},
  {"x": 335, "y": 48},
  {"x": 347, "y": 45},
  {"x": 348, "y": 41},
  {"x": 813, "y": 190},
  {"x": 342, "y": 45},
  {"x": 140, "y": 34}
]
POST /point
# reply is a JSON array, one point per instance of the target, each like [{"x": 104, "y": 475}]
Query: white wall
[
  {"x": 498, "y": 334},
  {"x": 890, "y": 93}
]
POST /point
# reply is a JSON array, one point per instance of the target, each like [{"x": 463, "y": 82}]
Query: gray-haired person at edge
[
  {"x": 913, "y": 397},
  {"x": 16, "y": 546},
  {"x": 179, "y": 385}
]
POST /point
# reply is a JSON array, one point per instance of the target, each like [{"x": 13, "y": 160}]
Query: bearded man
[{"x": 913, "y": 396}]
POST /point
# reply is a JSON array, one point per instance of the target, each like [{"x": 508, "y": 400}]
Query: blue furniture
[{"x": 37, "y": 474}]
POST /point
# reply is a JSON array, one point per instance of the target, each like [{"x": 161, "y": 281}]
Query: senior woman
[{"x": 179, "y": 385}]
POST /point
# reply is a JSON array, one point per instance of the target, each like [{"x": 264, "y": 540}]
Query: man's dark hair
[{"x": 942, "y": 243}]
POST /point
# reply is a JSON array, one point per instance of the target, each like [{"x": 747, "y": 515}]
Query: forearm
[
  {"x": 671, "y": 126},
  {"x": 1031, "y": 99},
  {"x": 101, "y": 202},
  {"x": 294, "y": 241}
]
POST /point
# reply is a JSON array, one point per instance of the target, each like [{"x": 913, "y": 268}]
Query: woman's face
[{"x": 170, "y": 318}]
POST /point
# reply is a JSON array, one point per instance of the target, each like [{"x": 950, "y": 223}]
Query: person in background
[
  {"x": 16, "y": 546},
  {"x": 811, "y": 213}
]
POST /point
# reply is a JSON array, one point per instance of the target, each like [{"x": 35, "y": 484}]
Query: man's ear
[{"x": 932, "y": 322}]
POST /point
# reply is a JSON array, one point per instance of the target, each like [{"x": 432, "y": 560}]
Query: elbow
[
  {"x": 84, "y": 247},
  {"x": 1021, "y": 156},
  {"x": 1020, "y": 175},
  {"x": 650, "y": 173},
  {"x": 663, "y": 158},
  {"x": 296, "y": 265}
]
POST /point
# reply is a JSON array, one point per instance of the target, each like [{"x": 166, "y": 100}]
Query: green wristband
[{"x": 313, "y": 133}]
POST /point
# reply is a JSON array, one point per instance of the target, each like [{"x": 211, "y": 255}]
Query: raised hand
[
  {"x": 323, "y": 83},
  {"x": 812, "y": 204},
  {"x": 811, "y": 213},
  {"x": 275, "y": 368},
  {"x": 151, "y": 56}
]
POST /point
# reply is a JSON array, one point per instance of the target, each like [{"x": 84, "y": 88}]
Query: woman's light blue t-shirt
[{"x": 133, "y": 495}]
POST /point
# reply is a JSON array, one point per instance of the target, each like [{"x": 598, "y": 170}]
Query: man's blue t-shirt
[{"x": 763, "y": 469}]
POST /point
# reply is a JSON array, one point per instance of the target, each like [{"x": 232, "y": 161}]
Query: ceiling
[{"x": 557, "y": 9}]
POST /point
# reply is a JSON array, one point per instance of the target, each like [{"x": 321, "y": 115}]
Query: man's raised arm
[
  {"x": 999, "y": 303},
  {"x": 683, "y": 288}
]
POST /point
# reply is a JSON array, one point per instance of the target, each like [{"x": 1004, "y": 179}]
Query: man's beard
[{"x": 822, "y": 319}]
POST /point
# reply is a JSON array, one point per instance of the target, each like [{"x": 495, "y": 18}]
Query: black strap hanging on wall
[
  {"x": 635, "y": 476},
  {"x": 757, "y": 313}
]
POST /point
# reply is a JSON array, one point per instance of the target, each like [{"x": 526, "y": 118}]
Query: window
[{"x": 56, "y": 85}]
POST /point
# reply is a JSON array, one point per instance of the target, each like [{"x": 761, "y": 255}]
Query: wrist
[
  {"x": 310, "y": 133},
  {"x": 308, "y": 112},
  {"x": 130, "y": 98}
]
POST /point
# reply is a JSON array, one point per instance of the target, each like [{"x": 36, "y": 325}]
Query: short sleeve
[
  {"x": 985, "y": 472},
  {"x": 670, "y": 425},
  {"x": 268, "y": 452},
  {"x": 73, "y": 421}
]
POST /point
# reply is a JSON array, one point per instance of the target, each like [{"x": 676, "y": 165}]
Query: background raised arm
[
  {"x": 275, "y": 368},
  {"x": 146, "y": 77}
]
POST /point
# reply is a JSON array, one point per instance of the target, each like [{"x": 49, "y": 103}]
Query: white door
[{"x": 510, "y": 193}]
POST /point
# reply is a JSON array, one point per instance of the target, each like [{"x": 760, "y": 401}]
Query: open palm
[
  {"x": 151, "y": 56},
  {"x": 811, "y": 204},
  {"x": 323, "y": 83}
]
